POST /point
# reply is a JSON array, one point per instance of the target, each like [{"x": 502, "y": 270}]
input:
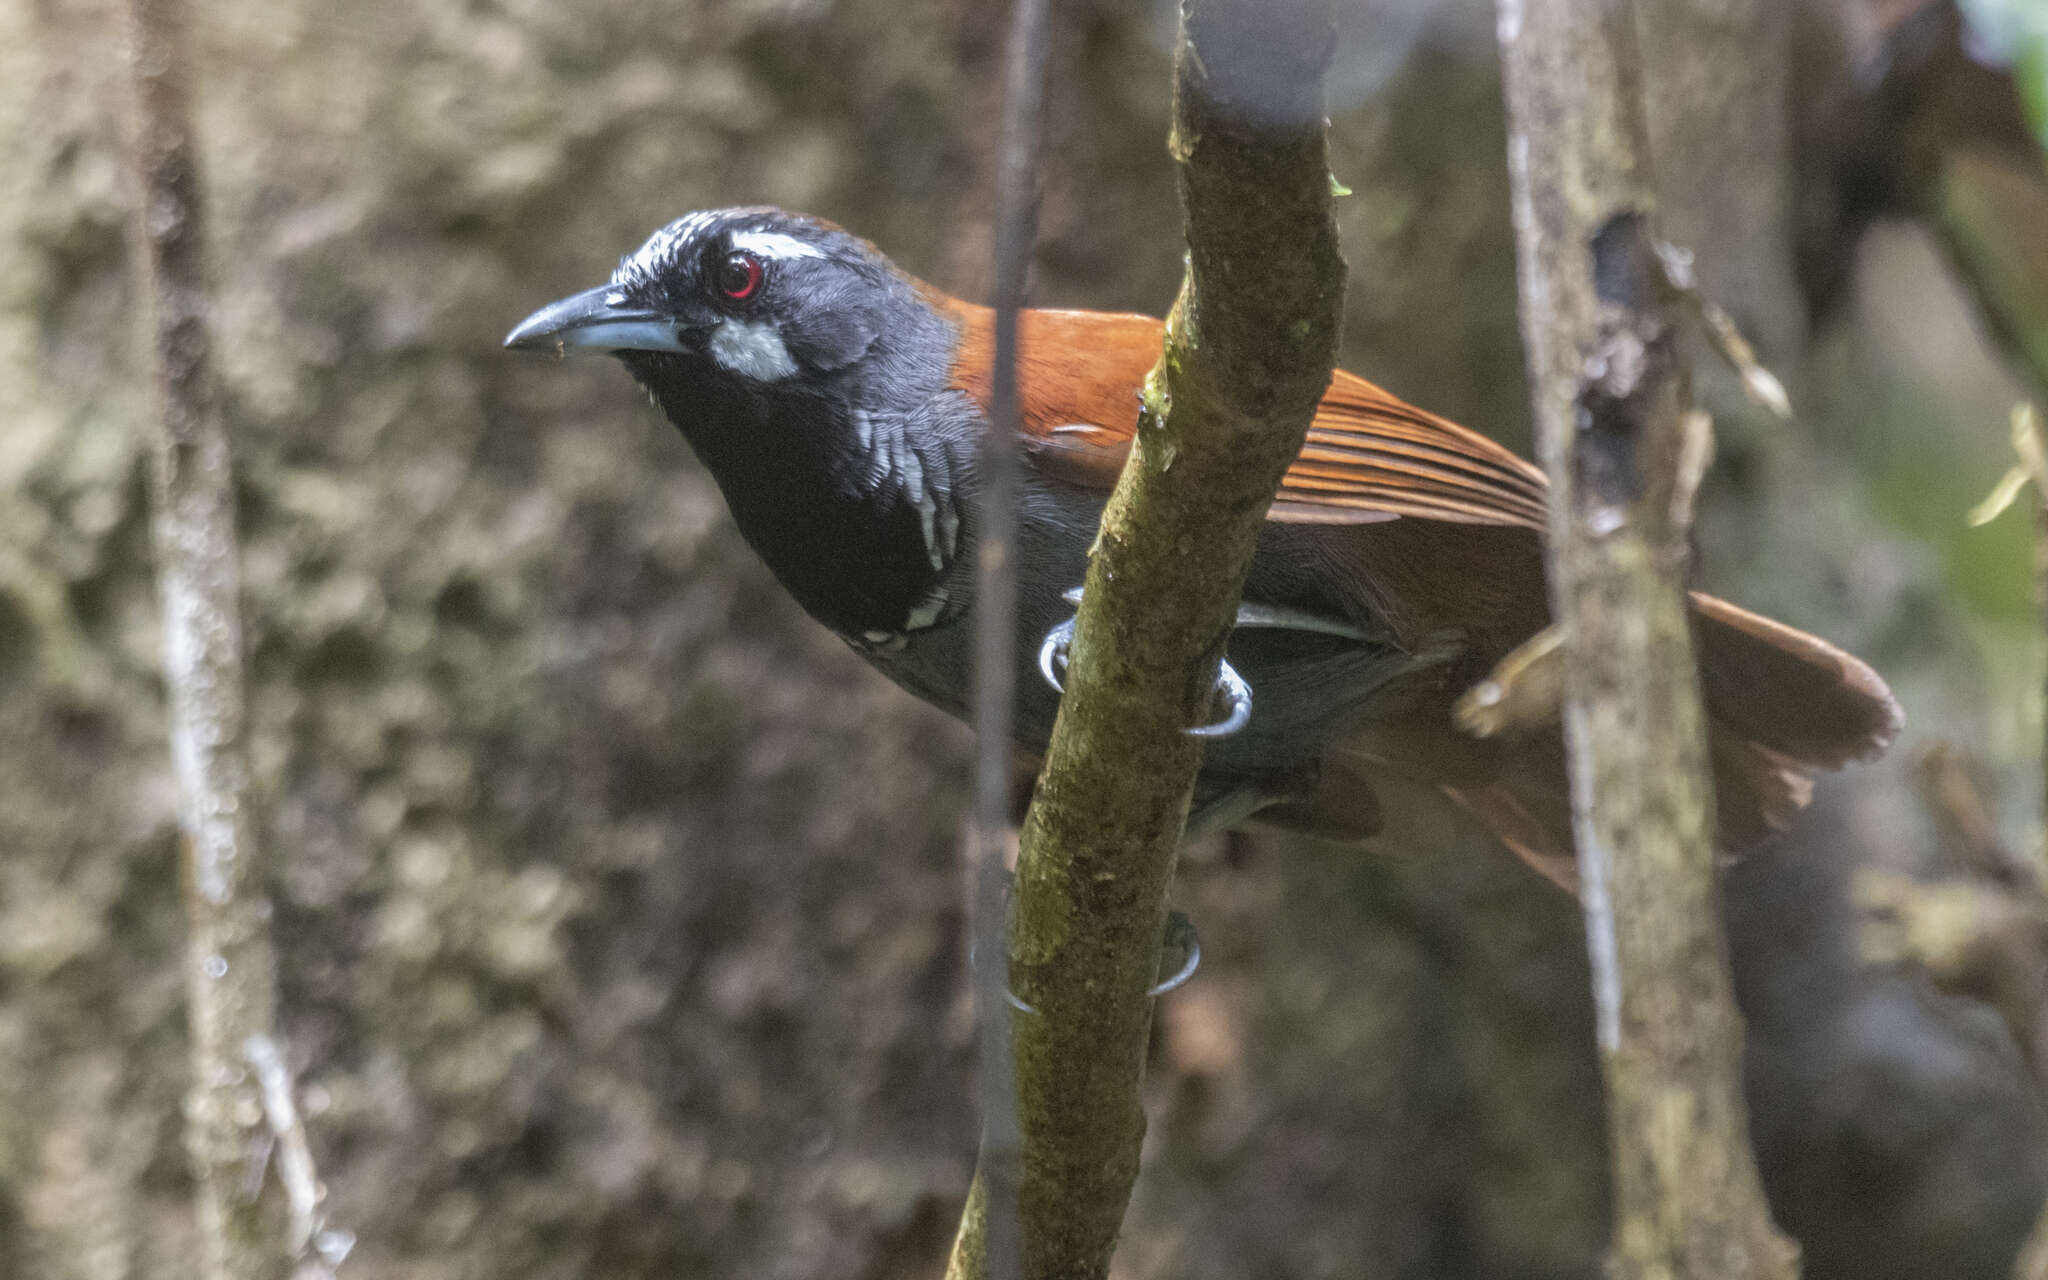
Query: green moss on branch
[{"x": 1249, "y": 348}]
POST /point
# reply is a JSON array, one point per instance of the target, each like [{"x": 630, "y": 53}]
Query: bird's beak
[{"x": 598, "y": 320}]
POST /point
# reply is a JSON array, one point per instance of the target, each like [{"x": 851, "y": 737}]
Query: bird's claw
[
  {"x": 1237, "y": 695},
  {"x": 1180, "y": 934},
  {"x": 1052, "y": 654},
  {"x": 1179, "y": 943},
  {"x": 1237, "y": 698}
]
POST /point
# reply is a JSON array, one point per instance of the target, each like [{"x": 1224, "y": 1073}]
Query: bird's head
[
  {"x": 744, "y": 299},
  {"x": 812, "y": 378}
]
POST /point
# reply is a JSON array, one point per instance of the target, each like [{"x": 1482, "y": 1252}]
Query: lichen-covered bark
[
  {"x": 1625, "y": 451},
  {"x": 1249, "y": 348}
]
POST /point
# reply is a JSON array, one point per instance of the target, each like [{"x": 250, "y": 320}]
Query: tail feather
[
  {"x": 1527, "y": 806},
  {"x": 1529, "y": 832},
  {"x": 1790, "y": 692},
  {"x": 1757, "y": 791},
  {"x": 1781, "y": 706}
]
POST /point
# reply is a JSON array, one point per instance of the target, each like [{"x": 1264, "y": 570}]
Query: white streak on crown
[
  {"x": 773, "y": 244},
  {"x": 662, "y": 244}
]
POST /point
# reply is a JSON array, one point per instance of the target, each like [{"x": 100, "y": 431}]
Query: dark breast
[
  {"x": 787, "y": 457},
  {"x": 856, "y": 563}
]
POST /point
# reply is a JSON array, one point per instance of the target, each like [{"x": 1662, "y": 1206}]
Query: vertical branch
[
  {"x": 1717, "y": 74},
  {"x": 995, "y": 640},
  {"x": 230, "y": 970},
  {"x": 1248, "y": 352},
  {"x": 1624, "y": 450}
]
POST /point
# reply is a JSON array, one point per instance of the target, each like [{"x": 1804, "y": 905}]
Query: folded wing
[{"x": 1782, "y": 704}]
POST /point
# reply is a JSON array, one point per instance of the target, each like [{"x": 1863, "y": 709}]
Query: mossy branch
[
  {"x": 1624, "y": 450},
  {"x": 1249, "y": 349}
]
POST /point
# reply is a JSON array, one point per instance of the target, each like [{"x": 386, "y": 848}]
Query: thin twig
[
  {"x": 995, "y": 612},
  {"x": 230, "y": 969},
  {"x": 1764, "y": 388},
  {"x": 318, "y": 1247}
]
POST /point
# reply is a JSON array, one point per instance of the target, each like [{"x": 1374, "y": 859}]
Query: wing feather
[
  {"x": 1369, "y": 456},
  {"x": 1783, "y": 704}
]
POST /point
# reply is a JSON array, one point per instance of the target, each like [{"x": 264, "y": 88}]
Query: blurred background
[{"x": 621, "y": 908}]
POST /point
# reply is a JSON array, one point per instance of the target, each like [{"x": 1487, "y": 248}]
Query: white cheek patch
[
  {"x": 752, "y": 349},
  {"x": 773, "y": 244}
]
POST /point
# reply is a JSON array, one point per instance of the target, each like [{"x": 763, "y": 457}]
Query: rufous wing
[
  {"x": 1369, "y": 456},
  {"x": 1782, "y": 704}
]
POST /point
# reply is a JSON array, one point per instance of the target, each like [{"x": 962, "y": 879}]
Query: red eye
[{"x": 739, "y": 276}]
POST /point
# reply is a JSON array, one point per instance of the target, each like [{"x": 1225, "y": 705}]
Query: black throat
[{"x": 858, "y": 511}]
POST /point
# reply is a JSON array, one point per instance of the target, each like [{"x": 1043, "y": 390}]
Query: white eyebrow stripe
[{"x": 773, "y": 244}]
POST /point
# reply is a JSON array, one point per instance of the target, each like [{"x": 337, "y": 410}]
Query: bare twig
[
  {"x": 1624, "y": 449},
  {"x": 318, "y": 1247},
  {"x": 1225, "y": 412},
  {"x": 995, "y": 1193},
  {"x": 230, "y": 969},
  {"x": 1763, "y": 387}
]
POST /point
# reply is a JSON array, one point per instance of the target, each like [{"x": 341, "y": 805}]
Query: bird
[{"x": 840, "y": 404}]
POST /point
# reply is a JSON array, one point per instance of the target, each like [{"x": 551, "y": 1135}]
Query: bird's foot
[
  {"x": 1237, "y": 702},
  {"x": 1180, "y": 954},
  {"x": 1237, "y": 695},
  {"x": 1180, "y": 948},
  {"x": 1052, "y": 654}
]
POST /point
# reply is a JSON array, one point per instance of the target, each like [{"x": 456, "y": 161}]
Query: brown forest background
[{"x": 620, "y": 908}]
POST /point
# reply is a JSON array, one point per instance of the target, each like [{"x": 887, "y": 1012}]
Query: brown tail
[
  {"x": 1790, "y": 692},
  {"x": 1781, "y": 706}
]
